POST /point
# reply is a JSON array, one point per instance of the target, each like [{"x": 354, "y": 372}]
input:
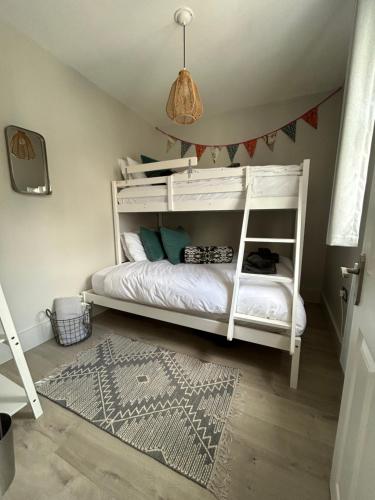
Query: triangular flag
[
  {"x": 311, "y": 117},
  {"x": 170, "y": 142},
  {"x": 250, "y": 146},
  {"x": 184, "y": 148},
  {"x": 199, "y": 149},
  {"x": 270, "y": 139},
  {"x": 290, "y": 130},
  {"x": 215, "y": 151},
  {"x": 232, "y": 150}
]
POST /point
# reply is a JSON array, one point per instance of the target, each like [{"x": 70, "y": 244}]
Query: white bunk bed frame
[{"x": 167, "y": 187}]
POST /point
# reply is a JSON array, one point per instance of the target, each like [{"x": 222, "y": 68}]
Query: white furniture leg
[{"x": 294, "y": 369}]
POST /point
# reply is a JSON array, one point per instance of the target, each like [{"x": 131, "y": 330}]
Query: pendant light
[
  {"x": 21, "y": 146},
  {"x": 184, "y": 104}
]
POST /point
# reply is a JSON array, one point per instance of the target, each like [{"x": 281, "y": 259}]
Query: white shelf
[{"x": 12, "y": 396}]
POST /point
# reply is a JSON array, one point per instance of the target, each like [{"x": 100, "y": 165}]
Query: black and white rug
[{"x": 171, "y": 406}]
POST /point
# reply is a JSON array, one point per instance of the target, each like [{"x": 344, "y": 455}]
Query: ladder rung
[
  {"x": 277, "y": 278},
  {"x": 3, "y": 339},
  {"x": 262, "y": 321},
  {"x": 271, "y": 240}
]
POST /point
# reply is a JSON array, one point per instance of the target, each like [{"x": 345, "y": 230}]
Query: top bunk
[{"x": 273, "y": 187}]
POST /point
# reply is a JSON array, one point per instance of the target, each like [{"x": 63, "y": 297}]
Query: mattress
[
  {"x": 270, "y": 181},
  {"x": 199, "y": 289}
]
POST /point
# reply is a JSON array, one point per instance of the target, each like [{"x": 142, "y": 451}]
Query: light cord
[{"x": 184, "y": 38}]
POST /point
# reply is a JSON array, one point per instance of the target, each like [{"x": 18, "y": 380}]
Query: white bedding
[
  {"x": 267, "y": 182},
  {"x": 199, "y": 289}
]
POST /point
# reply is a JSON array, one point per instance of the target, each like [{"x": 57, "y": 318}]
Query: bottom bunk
[{"x": 198, "y": 297}]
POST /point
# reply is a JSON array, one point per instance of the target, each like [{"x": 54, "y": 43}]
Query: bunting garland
[
  {"x": 311, "y": 117},
  {"x": 215, "y": 151},
  {"x": 270, "y": 139},
  {"x": 184, "y": 148},
  {"x": 232, "y": 150},
  {"x": 290, "y": 129},
  {"x": 199, "y": 149},
  {"x": 250, "y": 146},
  {"x": 171, "y": 141}
]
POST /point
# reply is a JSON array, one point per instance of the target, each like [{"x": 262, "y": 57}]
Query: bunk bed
[{"x": 188, "y": 189}]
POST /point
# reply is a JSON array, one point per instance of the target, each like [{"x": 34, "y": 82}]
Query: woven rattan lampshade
[
  {"x": 184, "y": 104},
  {"x": 21, "y": 146}
]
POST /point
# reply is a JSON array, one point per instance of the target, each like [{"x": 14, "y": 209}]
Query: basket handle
[{"x": 48, "y": 313}]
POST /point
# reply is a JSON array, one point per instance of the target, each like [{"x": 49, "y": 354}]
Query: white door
[{"x": 353, "y": 468}]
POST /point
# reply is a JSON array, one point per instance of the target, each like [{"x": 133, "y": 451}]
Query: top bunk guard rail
[
  {"x": 273, "y": 187},
  {"x": 178, "y": 164}
]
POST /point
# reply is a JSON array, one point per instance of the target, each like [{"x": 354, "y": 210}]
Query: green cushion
[
  {"x": 174, "y": 242},
  {"x": 156, "y": 173},
  {"x": 152, "y": 244}
]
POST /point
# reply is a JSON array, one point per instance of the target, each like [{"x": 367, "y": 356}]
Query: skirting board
[
  {"x": 34, "y": 336},
  {"x": 333, "y": 321},
  {"x": 29, "y": 338}
]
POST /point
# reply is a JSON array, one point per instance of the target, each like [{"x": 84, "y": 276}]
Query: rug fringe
[{"x": 221, "y": 475}]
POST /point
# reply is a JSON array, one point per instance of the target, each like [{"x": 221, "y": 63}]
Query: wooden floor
[{"x": 282, "y": 439}]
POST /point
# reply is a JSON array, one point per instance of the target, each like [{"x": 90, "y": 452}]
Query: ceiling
[{"x": 240, "y": 52}]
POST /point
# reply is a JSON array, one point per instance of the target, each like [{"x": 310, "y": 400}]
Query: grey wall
[
  {"x": 318, "y": 145},
  {"x": 50, "y": 246}
]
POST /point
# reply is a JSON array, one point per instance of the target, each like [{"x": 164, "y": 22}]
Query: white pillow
[
  {"x": 132, "y": 246},
  {"x": 127, "y": 162}
]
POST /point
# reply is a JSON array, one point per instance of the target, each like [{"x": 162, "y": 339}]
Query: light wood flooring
[{"x": 282, "y": 440}]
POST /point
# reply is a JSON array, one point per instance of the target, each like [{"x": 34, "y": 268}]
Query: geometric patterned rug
[{"x": 170, "y": 406}]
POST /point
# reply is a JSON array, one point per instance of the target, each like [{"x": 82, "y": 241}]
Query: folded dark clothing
[
  {"x": 256, "y": 260},
  {"x": 266, "y": 253},
  {"x": 248, "y": 268},
  {"x": 261, "y": 262}
]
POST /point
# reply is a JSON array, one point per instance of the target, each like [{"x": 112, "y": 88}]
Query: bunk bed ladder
[
  {"x": 12, "y": 396},
  {"x": 289, "y": 326},
  {"x": 241, "y": 252}
]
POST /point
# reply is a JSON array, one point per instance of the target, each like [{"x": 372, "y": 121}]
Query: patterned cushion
[{"x": 208, "y": 255}]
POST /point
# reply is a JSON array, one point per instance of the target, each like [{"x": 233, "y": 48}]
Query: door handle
[
  {"x": 345, "y": 271},
  {"x": 357, "y": 270}
]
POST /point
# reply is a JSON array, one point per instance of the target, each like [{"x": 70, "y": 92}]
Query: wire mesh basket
[{"x": 73, "y": 330}]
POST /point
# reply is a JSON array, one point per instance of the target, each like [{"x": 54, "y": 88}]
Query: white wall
[
  {"x": 50, "y": 246},
  {"x": 318, "y": 145}
]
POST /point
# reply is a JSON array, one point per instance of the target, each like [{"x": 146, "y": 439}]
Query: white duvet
[{"x": 200, "y": 289}]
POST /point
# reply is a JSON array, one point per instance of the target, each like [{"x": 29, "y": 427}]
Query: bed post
[
  {"x": 295, "y": 343},
  {"x": 294, "y": 369},
  {"x": 116, "y": 223},
  {"x": 305, "y": 184}
]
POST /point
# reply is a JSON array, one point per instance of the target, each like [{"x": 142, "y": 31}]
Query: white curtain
[{"x": 357, "y": 124}]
